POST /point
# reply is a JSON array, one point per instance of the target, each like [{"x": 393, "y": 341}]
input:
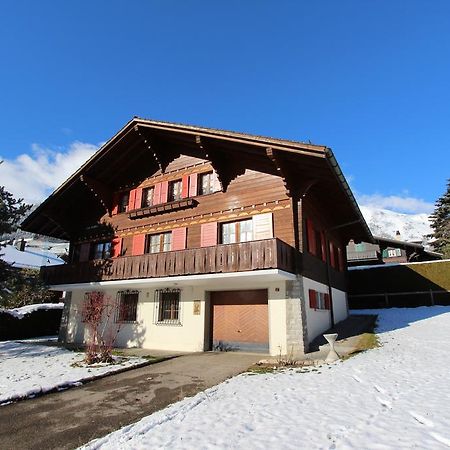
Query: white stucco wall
[
  {"x": 192, "y": 334},
  {"x": 340, "y": 305},
  {"x": 317, "y": 320}
]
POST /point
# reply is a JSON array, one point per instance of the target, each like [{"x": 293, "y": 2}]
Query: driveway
[{"x": 68, "y": 419}]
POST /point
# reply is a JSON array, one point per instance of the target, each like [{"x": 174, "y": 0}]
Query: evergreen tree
[{"x": 440, "y": 222}]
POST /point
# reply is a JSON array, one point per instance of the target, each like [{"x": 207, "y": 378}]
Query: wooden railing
[{"x": 253, "y": 255}]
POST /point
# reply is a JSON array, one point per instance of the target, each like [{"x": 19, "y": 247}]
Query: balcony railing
[{"x": 253, "y": 255}]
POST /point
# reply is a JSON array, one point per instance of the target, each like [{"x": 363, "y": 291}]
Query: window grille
[
  {"x": 126, "y": 310},
  {"x": 168, "y": 306}
]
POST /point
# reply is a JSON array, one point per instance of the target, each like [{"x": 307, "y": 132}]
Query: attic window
[{"x": 123, "y": 202}]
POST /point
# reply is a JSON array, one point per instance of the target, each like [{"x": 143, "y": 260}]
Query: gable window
[
  {"x": 127, "y": 306},
  {"x": 175, "y": 189},
  {"x": 156, "y": 243},
  {"x": 393, "y": 252},
  {"x": 168, "y": 303},
  {"x": 206, "y": 183},
  {"x": 147, "y": 197},
  {"x": 123, "y": 202},
  {"x": 101, "y": 250},
  {"x": 241, "y": 231}
]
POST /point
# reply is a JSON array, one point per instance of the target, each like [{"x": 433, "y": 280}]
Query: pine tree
[{"x": 440, "y": 222}]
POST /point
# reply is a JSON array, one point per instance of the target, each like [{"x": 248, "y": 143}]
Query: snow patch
[{"x": 20, "y": 313}]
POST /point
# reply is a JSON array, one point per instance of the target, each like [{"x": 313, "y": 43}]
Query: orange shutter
[
  {"x": 116, "y": 247},
  {"x": 311, "y": 238},
  {"x": 138, "y": 244},
  {"x": 132, "y": 199},
  {"x": 312, "y": 299},
  {"x": 193, "y": 185},
  {"x": 185, "y": 186},
  {"x": 115, "y": 203},
  {"x": 164, "y": 191},
  {"x": 208, "y": 235},
  {"x": 138, "y": 199},
  {"x": 157, "y": 194},
  {"x": 327, "y": 301},
  {"x": 332, "y": 260},
  {"x": 84, "y": 251},
  {"x": 179, "y": 238}
]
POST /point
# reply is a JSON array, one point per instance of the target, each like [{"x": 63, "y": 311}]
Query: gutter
[{"x": 340, "y": 176}]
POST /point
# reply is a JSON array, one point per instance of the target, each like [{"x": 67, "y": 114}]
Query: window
[
  {"x": 156, "y": 243},
  {"x": 101, "y": 250},
  {"x": 319, "y": 300},
  {"x": 175, "y": 188},
  {"x": 127, "y": 306},
  {"x": 147, "y": 197},
  {"x": 233, "y": 232},
  {"x": 394, "y": 252},
  {"x": 360, "y": 247},
  {"x": 123, "y": 202},
  {"x": 206, "y": 183},
  {"x": 168, "y": 302}
]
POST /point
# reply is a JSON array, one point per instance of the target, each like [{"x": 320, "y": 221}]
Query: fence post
[{"x": 432, "y": 297}]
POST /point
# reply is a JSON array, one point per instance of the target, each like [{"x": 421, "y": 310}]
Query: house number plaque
[{"x": 196, "y": 307}]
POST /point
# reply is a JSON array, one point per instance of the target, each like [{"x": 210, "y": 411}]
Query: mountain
[{"x": 385, "y": 223}]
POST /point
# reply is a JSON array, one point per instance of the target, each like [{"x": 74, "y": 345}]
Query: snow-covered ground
[
  {"x": 20, "y": 313},
  {"x": 394, "y": 397},
  {"x": 28, "y": 369}
]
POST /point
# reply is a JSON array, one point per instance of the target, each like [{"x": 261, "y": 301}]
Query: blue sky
[{"x": 370, "y": 79}]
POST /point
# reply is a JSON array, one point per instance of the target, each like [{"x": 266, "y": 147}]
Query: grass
[{"x": 366, "y": 341}]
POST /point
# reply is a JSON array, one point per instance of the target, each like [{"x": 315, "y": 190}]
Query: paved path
[{"x": 71, "y": 418}]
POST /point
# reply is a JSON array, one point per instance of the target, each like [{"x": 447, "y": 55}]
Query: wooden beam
[{"x": 100, "y": 191}]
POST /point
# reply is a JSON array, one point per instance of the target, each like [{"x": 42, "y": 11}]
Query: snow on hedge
[
  {"x": 28, "y": 369},
  {"x": 395, "y": 396},
  {"x": 20, "y": 313}
]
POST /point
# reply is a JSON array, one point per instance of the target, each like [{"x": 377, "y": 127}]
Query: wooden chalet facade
[{"x": 212, "y": 239}]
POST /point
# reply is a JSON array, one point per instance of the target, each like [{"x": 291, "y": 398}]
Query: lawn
[{"x": 28, "y": 368}]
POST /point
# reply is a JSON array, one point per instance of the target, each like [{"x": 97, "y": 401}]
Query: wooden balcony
[{"x": 254, "y": 255}]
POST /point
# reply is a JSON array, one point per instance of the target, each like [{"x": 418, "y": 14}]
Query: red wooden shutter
[
  {"x": 332, "y": 260},
  {"x": 115, "y": 203},
  {"x": 208, "y": 234},
  {"x": 164, "y": 191},
  {"x": 341, "y": 259},
  {"x": 185, "y": 186},
  {"x": 327, "y": 301},
  {"x": 116, "y": 247},
  {"x": 84, "y": 251},
  {"x": 157, "y": 194},
  {"x": 138, "y": 199},
  {"x": 312, "y": 299},
  {"x": 323, "y": 244},
  {"x": 179, "y": 238},
  {"x": 138, "y": 244},
  {"x": 193, "y": 185},
  {"x": 131, "y": 199},
  {"x": 311, "y": 238}
]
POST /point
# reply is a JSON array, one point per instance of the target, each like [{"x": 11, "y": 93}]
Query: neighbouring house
[
  {"x": 387, "y": 251},
  {"x": 208, "y": 239}
]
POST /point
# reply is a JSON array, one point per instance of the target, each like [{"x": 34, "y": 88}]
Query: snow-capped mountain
[{"x": 385, "y": 223}]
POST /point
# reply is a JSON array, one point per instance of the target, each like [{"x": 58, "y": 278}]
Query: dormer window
[{"x": 175, "y": 189}]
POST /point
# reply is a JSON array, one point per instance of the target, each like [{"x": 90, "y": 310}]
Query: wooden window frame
[
  {"x": 237, "y": 230},
  {"x": 210, "y": 184},
  {"x": 106, "y": 254},
  {"x": 162, "y": 242},
  {"x": 168, "y": 306},
  {"x": 173, "y": 196},
  {"x": 145, "y": 192},
  {"x": 122, "y": 204},
  {"x": 127, "y": 313}
]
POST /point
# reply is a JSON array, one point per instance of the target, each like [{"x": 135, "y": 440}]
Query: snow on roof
[
  {"x": 20, "y": 313},
  {"x": 28, "y": 259}
]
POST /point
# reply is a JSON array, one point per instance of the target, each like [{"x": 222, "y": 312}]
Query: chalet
[{"x": 211, "y": 239}]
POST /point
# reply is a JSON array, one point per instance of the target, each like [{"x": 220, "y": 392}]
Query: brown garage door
[{"x": 240, "y": 320}]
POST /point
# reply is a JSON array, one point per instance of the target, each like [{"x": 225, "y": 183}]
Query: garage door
[{"x": 240, "y": 320}]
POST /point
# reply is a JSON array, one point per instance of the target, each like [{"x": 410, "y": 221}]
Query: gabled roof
[{"x": 145, "y": 146}]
